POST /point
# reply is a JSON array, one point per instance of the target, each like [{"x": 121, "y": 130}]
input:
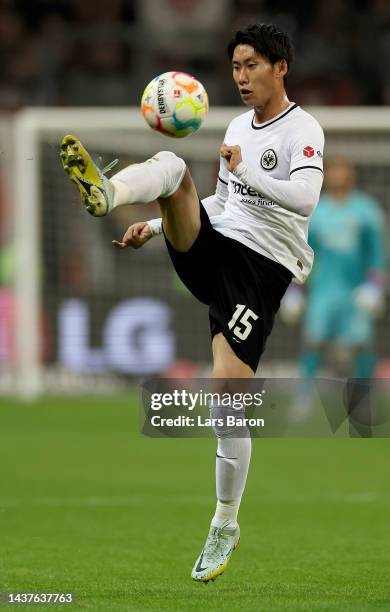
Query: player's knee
[
  {"x": 174, "y": 171},
  {"x": 169, "y": 157},
  {"x": 238, "y": 369}
]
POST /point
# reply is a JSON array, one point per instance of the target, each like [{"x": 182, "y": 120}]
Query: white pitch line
[
  {"x": 96, "y": 501},
  {"x": 141, "y": 500}
]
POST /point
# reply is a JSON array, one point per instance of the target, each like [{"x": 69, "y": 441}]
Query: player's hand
[
  {"x": 136, "y": 236},
  {"x": 231, "y": 155}
]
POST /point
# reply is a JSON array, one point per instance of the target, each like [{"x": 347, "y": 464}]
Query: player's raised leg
[{"x": 164, "y": 177}]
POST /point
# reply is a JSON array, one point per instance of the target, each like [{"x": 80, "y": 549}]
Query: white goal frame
[{"x": 30, "y": 124}]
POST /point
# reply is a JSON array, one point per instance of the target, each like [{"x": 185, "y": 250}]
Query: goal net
[{"x": 74, "y": 311}]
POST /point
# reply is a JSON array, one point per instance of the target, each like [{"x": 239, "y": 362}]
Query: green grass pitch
[{"x": 90, "y": 506}]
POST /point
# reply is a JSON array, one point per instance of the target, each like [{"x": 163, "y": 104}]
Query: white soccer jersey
[{"x": 286, "y": 148}]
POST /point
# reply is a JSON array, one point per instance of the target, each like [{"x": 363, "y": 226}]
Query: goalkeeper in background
[{"x": 345, "y": 292}]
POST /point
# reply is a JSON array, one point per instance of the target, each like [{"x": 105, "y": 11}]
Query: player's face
[
  {"x": 256, "y": 78},
  {"x": 340, "y": 177}
]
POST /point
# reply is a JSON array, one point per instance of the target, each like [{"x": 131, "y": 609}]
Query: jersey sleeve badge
[{"x": 308, "y": 151}]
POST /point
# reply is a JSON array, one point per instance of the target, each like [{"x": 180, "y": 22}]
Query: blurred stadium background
[
  {"x": 76, "y": 313},
  {"x": 86, "y": 503}
]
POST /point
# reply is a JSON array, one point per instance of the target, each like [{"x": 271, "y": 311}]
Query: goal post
[{"x": 46, "y": 269}]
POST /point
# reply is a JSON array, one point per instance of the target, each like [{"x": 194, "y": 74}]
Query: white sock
[
  {"x": 226, "y": 511},
  {"x": 231, "y": 470},
  {"x": 121, "y": 192},
  {"x": 157, "y": 177}
]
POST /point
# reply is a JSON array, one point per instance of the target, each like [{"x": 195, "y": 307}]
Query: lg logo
[{"x": 136, "y": 337}]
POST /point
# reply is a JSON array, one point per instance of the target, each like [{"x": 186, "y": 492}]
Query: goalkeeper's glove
[
  {"x": 369, "y": 297},
  {"x": 292, "y": 305}
]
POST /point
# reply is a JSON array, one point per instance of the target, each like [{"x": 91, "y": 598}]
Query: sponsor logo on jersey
[
  {"x": 245, "y": 190},
  {"x": 308, "y": 151},
  {"x": 269, "y": 159},
  {"x": 319, "y": 153}
]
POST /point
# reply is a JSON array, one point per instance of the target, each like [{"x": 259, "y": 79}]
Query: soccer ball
[{"x": 175, "y": 104}]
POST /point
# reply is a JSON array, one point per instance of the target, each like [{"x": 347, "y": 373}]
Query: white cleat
[{"x": 219, "y": 547}]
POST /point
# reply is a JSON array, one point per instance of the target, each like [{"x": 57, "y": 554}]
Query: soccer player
[
  {"x": 236, "y": 251},
  {"x": 346, "y": 289}
]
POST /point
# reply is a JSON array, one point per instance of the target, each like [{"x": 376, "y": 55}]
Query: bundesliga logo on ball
[{"x": 175, "y": 104}]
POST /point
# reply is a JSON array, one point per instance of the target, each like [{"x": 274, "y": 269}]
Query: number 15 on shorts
[{"x": 240, "y": 321}]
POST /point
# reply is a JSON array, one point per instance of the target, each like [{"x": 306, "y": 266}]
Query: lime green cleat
[
  {"x": 219, "y": 547},
  {"x": 96, "y": 191}
]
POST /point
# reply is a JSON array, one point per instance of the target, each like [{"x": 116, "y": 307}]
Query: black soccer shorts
[{"x": 242, "y": 288}]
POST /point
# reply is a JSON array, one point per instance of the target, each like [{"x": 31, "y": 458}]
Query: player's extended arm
[
  {"x": 300, "y": 194},
  {"x": 370, "y": 295}
]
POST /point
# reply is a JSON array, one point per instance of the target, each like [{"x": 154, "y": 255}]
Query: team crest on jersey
[{"x": 269, "y": 159}]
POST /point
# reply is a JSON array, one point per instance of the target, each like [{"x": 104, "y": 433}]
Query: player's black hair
[{"x": 267, "y": 40}]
